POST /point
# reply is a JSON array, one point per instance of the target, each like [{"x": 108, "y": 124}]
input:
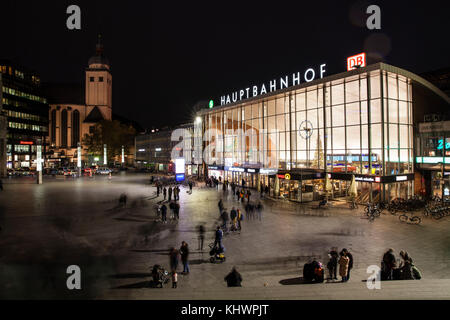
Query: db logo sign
[{"x": 357, "y": 61}]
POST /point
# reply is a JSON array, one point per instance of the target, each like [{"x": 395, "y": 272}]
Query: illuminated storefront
[{"x": 354, "y": 123}]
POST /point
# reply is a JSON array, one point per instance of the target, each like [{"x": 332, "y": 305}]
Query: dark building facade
[{"x": 26, "y": 113}]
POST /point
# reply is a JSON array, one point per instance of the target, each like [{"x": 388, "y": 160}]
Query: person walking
[
  {"x": 190, "y": 187},
  {"x": 164, "y": 213},
  {"x": 259, "y": 209},
  {"x": 332, "y": 264},
  {"x": 178, "y": 192},
  {"x": 201, "y": 236},
  {"x": 233, "y": 216},
  {"x": 239, "y": 219},
  {"x": 234, "y": 278},
  {"x": 233, "y": 188},
  {"x": 220, "y": 205},
  {"x": 248, "y": 195},
  {"x": 224, "y": 220},
  {"x": 350, "y": 263},
  {"x": 218, "y": 237},
  {"x": 176, "y": 211},
  {"x": 164, "y": 193},
  {"x": 170, "y": 193},
  {"x": 184, "y": 253},
  {"x": 173, "y": 256},
  {"x": 157, "y": 190},
  {"x": 389, "y": 263},
  {"x": 343, "y": 266}
]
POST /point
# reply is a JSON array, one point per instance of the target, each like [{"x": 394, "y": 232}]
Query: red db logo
[{"x": 357, "y": 61}]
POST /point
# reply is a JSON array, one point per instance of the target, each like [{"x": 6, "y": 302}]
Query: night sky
[{"x": 166, "y": 56}]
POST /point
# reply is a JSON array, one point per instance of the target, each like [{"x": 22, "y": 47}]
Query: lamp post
[{"x": 39, "y": 161}]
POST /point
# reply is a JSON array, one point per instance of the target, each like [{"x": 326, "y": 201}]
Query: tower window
[
  {"x": 91, "y": 79},
  {"x": 100, "y": 79}
]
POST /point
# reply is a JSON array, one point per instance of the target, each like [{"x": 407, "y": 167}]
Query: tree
[{"x": 113, "y": 134}]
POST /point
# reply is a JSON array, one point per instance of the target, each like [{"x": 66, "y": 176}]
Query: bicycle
[{"x": 407, "y": 219}]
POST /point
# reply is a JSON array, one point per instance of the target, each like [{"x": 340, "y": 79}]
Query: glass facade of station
[{"x": 359, "y": 124}]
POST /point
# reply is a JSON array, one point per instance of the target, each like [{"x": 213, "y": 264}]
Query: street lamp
[{"x": 198, "y": 120}]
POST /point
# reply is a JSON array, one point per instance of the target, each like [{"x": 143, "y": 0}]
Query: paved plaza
[{"x": 65, "y": 221}]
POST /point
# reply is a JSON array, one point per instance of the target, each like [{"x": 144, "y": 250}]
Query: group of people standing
[
  {"x": 345, "y": 261},
  {"x": 183, "y": 252},
  {"x": 168, "y": 192}
]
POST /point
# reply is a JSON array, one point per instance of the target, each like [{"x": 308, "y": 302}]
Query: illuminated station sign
[
  {"x": 356, "y": 61},
  {"x": 276, "y": 84}
]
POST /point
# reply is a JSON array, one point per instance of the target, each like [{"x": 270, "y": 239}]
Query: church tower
[{"x": 99, "y": 84}]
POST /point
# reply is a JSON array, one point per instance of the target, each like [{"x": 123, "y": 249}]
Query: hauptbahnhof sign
[{"x": 273, "y": 85}]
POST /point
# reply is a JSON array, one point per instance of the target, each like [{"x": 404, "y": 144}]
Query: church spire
[{"x": 99, "y": 46}]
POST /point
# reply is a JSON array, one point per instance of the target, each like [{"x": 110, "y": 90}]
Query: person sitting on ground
[
  {"x": 406, "y": 266},
  {"x": 388, "y": 265},
  {"x": 234, "y": 278}
]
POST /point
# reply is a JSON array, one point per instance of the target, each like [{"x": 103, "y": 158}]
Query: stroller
[
  {"x": 160, "y": 276},
  {"x": 313, "y": 272},
  {"x": 216, "y": 253}
]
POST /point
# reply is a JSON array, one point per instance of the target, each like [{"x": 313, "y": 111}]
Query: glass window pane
[
  {"x": 248, "y": 112},
  {"x": 339, "y": 138},
  {"x": 271, "y": 124},
  {"x": 375, "y": 110},
  {"x": 255, "y": 111},
  {"x": 328, "y": 117},
  {"x": 352, "y": 91},
  {"x": 363, "y": 112},
  {"x": 281, "y": 123},
  {"x": 393, "y": 112},
  {"x": 363, "y": 89},
  {"x": 404, "y": 136},
  {"x": 337, "y": 94},
  {"x": 312, "y": 116},
  {"x": 271, "y": 107},
  {"x": 403, "y": 112},
  {"x": 280, "y": 105},
  {"x": 365, "y": 136},
  {"x": 402, "y": 90},
  {"x": 392, "y": 87},
  {"x": 301, "y": 116},
  {"x": 376, "y": 136},
  {"x": 352, "y": 113},
  {"x": 300, "y": 101},
  {"x": 311, "y": 99},
  {"x": 375, "y": 86},
  {"x": 353, "y": 137},
  {"x": 338, "y": 116},
  {"x": 393, "y": 136}
]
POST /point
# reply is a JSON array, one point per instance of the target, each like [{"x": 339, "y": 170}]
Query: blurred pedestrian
[
  {"x": 164, "y": 193},
  {"x": 406, "y": 266},
  {"x": 201, "y": 236},
  {"x": 259, "y": 209},
  {"x": 157, "y": 190},
  {"x": 224, "y": 220},
  {"x": 240, "y": 217},
  {"x": 248, "y": 195},
  {"x": 233, "y": 217},
  {"x": 184, "y": 253},
  {"x": 220, "y": 205},
  {"x": 173, "y": 256},
  {"x": 164, "y": 213},
  {"x": 176, "y": 211},
  {"x": 170, "y": 193},
  {"x": 190, "y": 187}
]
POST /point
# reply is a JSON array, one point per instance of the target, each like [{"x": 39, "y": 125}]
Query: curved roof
[{"x": 380, "y": 65}]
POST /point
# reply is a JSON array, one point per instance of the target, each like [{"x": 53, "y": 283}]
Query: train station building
[{"x": 314, "y": 137}]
